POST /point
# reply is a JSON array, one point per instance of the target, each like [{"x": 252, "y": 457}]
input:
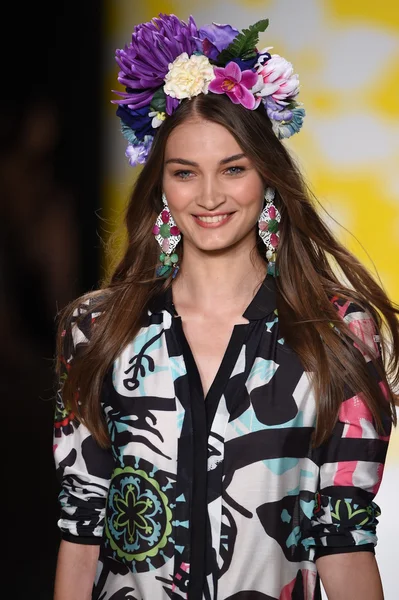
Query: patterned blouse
[{"x": 223, "y": 497}]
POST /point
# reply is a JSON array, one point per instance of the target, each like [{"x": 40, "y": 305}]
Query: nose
[{"x": 211, "y": 197}]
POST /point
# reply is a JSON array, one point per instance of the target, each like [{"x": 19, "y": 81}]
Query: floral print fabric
[{"x": 223, "y": 497}]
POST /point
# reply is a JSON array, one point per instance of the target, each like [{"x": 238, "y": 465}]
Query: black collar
[{"x": 262, "y": 304}]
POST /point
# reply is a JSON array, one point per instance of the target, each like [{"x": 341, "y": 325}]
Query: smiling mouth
[{"x": 215, "y": 219}]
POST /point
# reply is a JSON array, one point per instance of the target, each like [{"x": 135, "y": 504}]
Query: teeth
[{"x": 213, "y": 219}]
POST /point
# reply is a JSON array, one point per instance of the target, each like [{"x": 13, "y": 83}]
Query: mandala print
[
  {"x": 138, "y": 523},
  {"x": 347, "y": 512}
]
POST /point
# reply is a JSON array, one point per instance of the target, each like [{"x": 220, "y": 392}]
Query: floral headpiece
[{"x": 169, "y": 60}]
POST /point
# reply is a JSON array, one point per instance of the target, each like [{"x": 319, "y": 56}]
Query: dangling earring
[
  {"x": 268, "y": 224},
  {"x": 168, "y": 236}
]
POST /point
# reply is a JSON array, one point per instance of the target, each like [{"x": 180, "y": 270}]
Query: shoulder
[
  {"x": 77, "y": 320},
  {"x": 86, "y": 311}
]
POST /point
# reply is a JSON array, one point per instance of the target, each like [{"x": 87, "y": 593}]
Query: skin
[
  {"x": 76, "y": 569},
  {"x": 220, "y": 272},
  {"x": 352, "y": 576},
  {"x": 214, "y": 183},
  {"x": 217, "y": 280}
]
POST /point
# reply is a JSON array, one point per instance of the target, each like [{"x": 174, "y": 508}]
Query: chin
[
  {"x": 220, "y": 240},
  {"x": 216, "y": 246}
]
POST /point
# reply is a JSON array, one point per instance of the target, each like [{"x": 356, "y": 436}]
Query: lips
[{"x": 212, "y": 221}]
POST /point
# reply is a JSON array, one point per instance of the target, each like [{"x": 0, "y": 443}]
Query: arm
[
  {"x": 342, "y": 535},
  {"x": 76, "y": 569},
  {"x": 353, "y": 576},
  {"x": 84, "y": 470}
]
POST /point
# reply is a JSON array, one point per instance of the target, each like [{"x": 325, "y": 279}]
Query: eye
[
  {"x": 235, "y": 170},
  {"x": 183, "y": 174}
]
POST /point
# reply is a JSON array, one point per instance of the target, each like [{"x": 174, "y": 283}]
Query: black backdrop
[{"x": 50, "y": 167}]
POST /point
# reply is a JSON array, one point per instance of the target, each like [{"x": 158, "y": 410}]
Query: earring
[
  {"x": 168, "y": 235},
  {"x": 268, "y": 224}
]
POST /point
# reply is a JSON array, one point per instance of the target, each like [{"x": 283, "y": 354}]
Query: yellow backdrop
[{"x": 347, "y": 56}]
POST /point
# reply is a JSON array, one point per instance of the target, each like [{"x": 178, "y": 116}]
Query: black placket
[
  {"x": 203, "y": 411},
  {"x": 224, "y": 373},
  {"x": 198, "y": 521}
]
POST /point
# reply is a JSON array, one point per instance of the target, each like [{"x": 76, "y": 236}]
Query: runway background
[{"x": 64, "y": 182}]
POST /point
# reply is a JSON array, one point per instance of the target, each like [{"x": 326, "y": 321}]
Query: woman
[{"x": 226, "y": 407}]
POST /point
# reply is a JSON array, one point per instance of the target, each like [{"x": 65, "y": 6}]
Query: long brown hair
[{"x": 313, "y": 267}]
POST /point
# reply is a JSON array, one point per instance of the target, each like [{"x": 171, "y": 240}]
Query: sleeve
[
  {"x": 351, "y": 462},
  {"x": 83, "y": 468}
]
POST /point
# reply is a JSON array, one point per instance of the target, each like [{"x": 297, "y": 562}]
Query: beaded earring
[
  {"x": 268, "y": 224},
  {"x": 168, "y": 235}
]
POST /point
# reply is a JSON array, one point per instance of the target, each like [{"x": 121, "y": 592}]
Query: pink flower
[
  {"x": 236, "y": 84},
  {"x": 278, "y": 79}
]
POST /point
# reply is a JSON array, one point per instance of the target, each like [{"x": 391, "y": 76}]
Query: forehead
[{"x": 198, "y": 139}]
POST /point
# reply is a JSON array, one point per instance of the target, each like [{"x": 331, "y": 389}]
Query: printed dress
[{"x": 221, "y": 498}]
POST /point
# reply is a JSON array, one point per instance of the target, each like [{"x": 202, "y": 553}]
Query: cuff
[
  {"x": 78, "y": 539},
  {"x": 328, "y": 550}
]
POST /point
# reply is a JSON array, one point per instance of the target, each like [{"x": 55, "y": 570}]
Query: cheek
[
  {"x": 177, "y": 195},
  {"x": 250, "y": 193}
]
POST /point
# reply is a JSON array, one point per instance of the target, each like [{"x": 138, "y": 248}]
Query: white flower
[
  {"x": 188, "y": 76},
  {"x": 157, "y": 118},
  {"x": 258, "y": 87},
  {"x": 279, "y": 80}
]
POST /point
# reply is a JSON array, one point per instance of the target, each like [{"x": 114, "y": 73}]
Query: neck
[{"x": 223, "y": 281}]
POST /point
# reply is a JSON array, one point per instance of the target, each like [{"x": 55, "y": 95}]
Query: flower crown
[{"x": 169, "y": 60}]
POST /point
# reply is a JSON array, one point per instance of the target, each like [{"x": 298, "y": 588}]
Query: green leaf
[
  {"x": 291, "y": 104},
  {"x": 158, "y": 102},
  {"x": 244, "y": 44}
]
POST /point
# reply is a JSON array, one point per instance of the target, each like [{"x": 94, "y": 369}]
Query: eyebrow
[{"x": 190, "y": 163}]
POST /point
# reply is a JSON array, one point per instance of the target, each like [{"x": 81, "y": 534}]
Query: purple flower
[
  {"x": 171, "y": 104},
  {"x": 275, "y": 111},
  {"x": 215, "y": 38},
  {"x": 236, "y": 84},
  {"x": 245, "y": 64},
  {"x": 144, "y": 63},
  {"x": 138, "y": 120},
  {"x": 138, "y": 154}
]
